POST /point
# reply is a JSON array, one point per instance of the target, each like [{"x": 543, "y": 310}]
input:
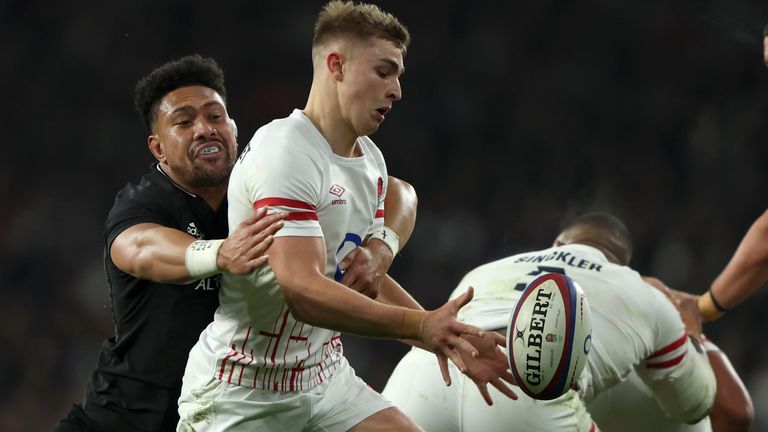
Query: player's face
[
  {"x": 195, "y": 136},
  {"x": 371, "y": 84}
]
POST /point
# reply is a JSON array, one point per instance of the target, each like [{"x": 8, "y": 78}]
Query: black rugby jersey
[{"x": 138, "y": 375}]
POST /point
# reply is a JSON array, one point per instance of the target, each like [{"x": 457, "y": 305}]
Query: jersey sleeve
[
  {"x": 128, "y": 212},
  {"x": 378, "y": 217},
  {"x": 382, "y": 183},
  {"x": 678, "y": 371},
  {"x": 283, "y": 178}
]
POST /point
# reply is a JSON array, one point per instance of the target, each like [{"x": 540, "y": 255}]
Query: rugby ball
[{"x": 549, "y": 336}]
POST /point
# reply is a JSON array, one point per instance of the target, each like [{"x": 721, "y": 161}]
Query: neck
[
  {"x": 213, "y": 195},
  {"x": 324, "y": 112}
]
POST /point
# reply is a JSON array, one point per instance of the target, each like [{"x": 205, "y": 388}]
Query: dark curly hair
[
  {"x": 185, "y": 71},
  {"x": 611, "y": 233}
]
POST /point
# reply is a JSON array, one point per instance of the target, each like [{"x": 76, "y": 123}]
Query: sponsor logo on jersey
[
  {"x": 337, "y": 190},
  {"x": 193, "y": 231},
  {"x": 209, "y": 284}
]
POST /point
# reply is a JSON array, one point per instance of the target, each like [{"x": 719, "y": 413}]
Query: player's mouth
[
  {"x": 381, "y": 112},
  {"x": 206, "y": 150}
]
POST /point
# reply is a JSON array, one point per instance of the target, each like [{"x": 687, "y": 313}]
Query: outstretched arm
[
  {"x": 488, "y": 367},
  {"x": 158, "y": 253},
  {"x": 744, "y": 274},
  {"x": 298, "y": 264}
]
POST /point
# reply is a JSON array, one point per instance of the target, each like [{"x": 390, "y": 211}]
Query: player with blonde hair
[{"x": 273, "y": 358}]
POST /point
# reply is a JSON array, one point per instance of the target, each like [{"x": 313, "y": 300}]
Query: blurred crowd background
[{"x": 515, "y": 116}]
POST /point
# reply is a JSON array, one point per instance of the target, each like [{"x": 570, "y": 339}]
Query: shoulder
[
  {"x": 152, "y": 186},
  {"x": 154, "y": 199},
  {"x": 370, "y": 148},
  {"x": 282, "y": 144}
]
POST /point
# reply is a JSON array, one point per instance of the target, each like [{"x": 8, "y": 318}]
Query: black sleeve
[{"x": 129, "y": 212}]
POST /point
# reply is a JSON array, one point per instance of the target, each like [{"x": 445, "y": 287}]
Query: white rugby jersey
[
  {"x": 634, "y": 325},
  {"x": 254, "y": 339}
]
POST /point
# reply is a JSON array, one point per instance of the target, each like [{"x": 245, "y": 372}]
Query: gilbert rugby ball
[{"x": 549, "y": 336}]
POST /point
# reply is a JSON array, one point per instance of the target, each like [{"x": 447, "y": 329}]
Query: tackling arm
[{"x": 158, "y": 253}]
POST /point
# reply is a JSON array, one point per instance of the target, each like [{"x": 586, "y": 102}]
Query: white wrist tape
[
  {"x": 388, "y": 236},
  {"x": 201, "y": 258}
]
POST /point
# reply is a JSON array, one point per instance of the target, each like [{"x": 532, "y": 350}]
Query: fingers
[
  {"x": 350, "y": 275},
  {"x": 465, "y": 298},
  {"x": 470, "y": 330},
  {"x": 484, "y": 392},
  {"x": 498, "y": 339},
  {"x": 462, "y": 344},
  {"x": 258, "y": 262},
  {"x": 262, "y": 232},
  {"x": 268, "y": 224},
  {"x": 252, "y": 219},
  {"x": 443, "y": 363},
  {"x": 347, "y": 261},
  {"x": 258, "y": 250},
  {"x": 504, "y": 389}
]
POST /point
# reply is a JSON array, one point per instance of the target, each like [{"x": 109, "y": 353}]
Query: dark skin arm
[
  {"x": 155, "y": 252},
  {"x": 733, "y": 410}
]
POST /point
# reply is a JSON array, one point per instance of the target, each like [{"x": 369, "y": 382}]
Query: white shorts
[
  {"x": 337, "y": 404},
  {"x": 417, "y": 388}
]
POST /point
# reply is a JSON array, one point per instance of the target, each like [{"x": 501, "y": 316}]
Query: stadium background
[{"x": 515, "y": 115}]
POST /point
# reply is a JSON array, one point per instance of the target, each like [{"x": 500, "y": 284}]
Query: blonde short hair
[{"x": 359, "y": 21}]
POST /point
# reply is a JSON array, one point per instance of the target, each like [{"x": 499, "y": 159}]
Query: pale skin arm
[
  {"x": 298, "y": 264},
  {"x": 400, "y": 205},
  {"x": 155, "y": 252},
  {"x": 489, "y": 367},
  {"x": 742, "y": 277},
  {"x": 747, "y": 270}
]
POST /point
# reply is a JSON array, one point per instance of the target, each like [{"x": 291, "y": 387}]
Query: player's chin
[
  {"x": 369, "y": 128},
  {"x": 212, "y": 174}
]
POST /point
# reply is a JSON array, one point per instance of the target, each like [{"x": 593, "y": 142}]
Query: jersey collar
[{"x": 174, "y": 183}]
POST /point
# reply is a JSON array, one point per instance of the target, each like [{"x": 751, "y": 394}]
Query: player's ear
[
  {"x": 156, "y": 147},
  {"x": 233, "y": 125},
  {"x": 333, "y": 62}
]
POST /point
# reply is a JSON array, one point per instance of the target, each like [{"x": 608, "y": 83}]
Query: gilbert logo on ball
[{"x": 549, "y": 336}]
